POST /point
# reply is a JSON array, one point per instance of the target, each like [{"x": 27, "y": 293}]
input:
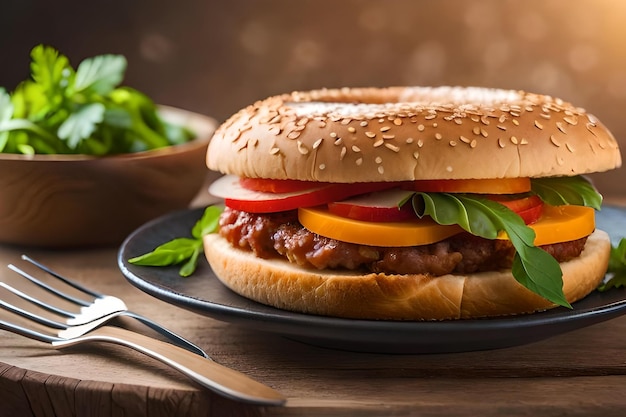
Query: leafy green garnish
[
  {"x": 183, "y": 250},
  {"x": 617, "y": 268},
  {"x": 532, "y": 267},
  {"x": 575, "y": 190},
  {"x": 62, "y": 110}
]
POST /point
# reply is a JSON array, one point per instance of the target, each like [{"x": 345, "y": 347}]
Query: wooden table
[{"x": 578, "y": 373}]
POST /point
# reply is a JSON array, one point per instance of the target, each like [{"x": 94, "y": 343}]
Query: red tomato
[
  {"x": 239, "y": 198},
  {"x": 380, "y": 206},
  {"x": 529, "y": 208}
]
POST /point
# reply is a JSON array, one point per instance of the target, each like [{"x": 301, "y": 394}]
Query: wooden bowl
[{"x": 61, "y": 201}]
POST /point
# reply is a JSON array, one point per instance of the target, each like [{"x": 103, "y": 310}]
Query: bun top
[{"x": 409, "y": 133}]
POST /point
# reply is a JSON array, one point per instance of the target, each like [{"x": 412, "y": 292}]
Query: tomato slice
[
  {"x": 529, "y": 208},
  {"x": 239, "y": 198},
  {"x": 407, "y": 233},
  {"x": 381, "y": 206},
  {"x": 476, "y": 186}
]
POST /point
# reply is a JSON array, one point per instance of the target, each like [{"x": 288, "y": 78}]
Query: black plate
[{"x": 204, "y": 294}]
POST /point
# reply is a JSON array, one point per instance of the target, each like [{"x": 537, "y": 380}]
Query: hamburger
[{"x": 410, "y": 203}]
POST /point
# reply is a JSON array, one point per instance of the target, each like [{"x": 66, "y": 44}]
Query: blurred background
[{"x": 215, "y": 57}]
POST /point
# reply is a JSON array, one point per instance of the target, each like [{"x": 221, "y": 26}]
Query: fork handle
[{"x": 216, "y": 377}]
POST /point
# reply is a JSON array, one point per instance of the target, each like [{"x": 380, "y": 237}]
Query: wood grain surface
[{"x": 578, "y": 373}]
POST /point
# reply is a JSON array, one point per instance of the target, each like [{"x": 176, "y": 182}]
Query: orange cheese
[{"x": 557, "y": 224}]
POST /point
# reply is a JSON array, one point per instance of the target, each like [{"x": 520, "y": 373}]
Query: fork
[
  {"x": 218, "y": 378},
  {"x": 101, "y": 305}
]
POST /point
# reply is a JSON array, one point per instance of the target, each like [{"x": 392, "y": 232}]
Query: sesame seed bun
[
  {"x": 410, "y": 133},
  {"x": 396, "y": 297}
]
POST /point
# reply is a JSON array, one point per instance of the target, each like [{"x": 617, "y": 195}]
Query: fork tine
[
  {"x": 32, "y": 316},
  {"x": 47, "y": 287},
  {"x": 36, "y": 301},
  {"x": 31, "y": 334},
  {"x": 66, "y": 280}
]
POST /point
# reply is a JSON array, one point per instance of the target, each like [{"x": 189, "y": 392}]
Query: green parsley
[
  {"x": 532, "y": 267},
  {"x": 62, "y": 110},
  {"x": 183, "y": 250},
  {"x": 617, "y": 268}
]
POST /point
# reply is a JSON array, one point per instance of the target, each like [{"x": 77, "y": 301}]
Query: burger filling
[{"x": 280, "y": 234}]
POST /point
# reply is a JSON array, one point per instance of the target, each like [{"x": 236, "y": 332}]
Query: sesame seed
[
  {"x": 545, "y": 116},
  {"x": 501, "y": 127},
  {"x": 322, "y": 125},
  {"x": 322, "y": 167},
  {"x": 452, "y": 143},
  {"x": 570, "y": 147},
  {"x": 484, "y": 120},
  {"x": 275, "y": 130},
  {"x": 317, "y": 143},
  {"x": 473, "y": 143},
  {"x": 302, "y": 149},
  {"x": 333, "y": 134},
  {"x": 560, "y": 126},
  {"x": 435, "y": 124},
  {"x": 515, "y": 122},
  {"x": 554, "y": 141},
  {"x": 475, "y": 118},
  {"x": 343, "y": 152},
  {"x": 438, "y": 136},
  {"x": 274, "y": 151},
  {"x": 363, "y": 123},
  {"x": 338, "y": 142},
  {"x": 397, "y": 122},
  {"x": 359, "y": 161},
  {"x": 381, "y": 170},
  {"x": 514, "y": 140},
  {"x": 571, "y": 120},
  {"x": 409, "y": 140},
  {"x": 421, "y": 127},
  {"x": 378, "y": 143},
  {"x": 502, "y": 118},
  {"x": 449, "y": 168},
  {"x": 385, "y": 128},
  {"x": 430, "y": 116},
  {"x": 420, "y": 143},
  {"x": 293, "y": 135},
  {"x": 392, "y": 147},
  {"x": 560, "y": 160},
  {"x": 484, "y": 133},
  {"x": 351, "y": 129},
  {"x": 538, "y": 125},
  {"x": 416, "y": 154},
  {"x": 458, "y": 121},
  {"x": 523, "y": 141},
  {"x": 501, "y": 143},
  {"x": 356, "y": 148},
  {"x": 370, "y": 134},
  {"x": 378, "y": 160},
  {"x": 464, "y": 139},
  {"x": 387, "y": 137},
  {"x": 476, "y": 130},
  {"x": 589, "y": 128}
]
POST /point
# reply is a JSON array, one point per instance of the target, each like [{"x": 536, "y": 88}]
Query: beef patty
[{"x": 281, "y": 235}]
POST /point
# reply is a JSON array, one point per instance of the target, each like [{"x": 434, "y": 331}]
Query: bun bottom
[{"x": 278, "y": 283}]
